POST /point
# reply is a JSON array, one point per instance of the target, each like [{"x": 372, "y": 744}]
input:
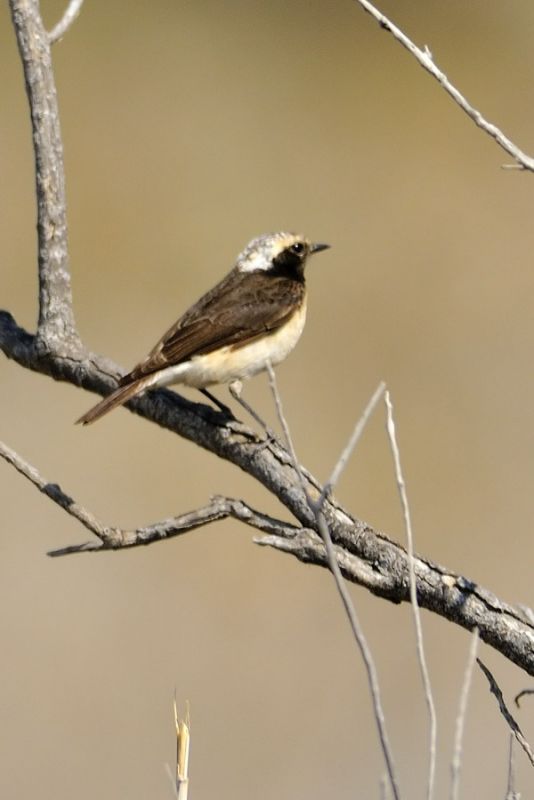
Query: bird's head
[{"x": 278, "y": 254}]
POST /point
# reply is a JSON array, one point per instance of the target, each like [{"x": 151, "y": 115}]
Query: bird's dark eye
[{"x": 297, "y": 248}]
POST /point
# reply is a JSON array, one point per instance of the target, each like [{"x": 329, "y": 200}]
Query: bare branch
[
  {"x": 425, "y": 59},
  {"x": 56, "y": 494},
  {"x": 71, "y": 12},
  {"x": 413, "y": 596},
  {"x": 112, "y": 538},
  {"x": 514, "y": 727},
  {"x": 308, "y": 547},
  {"x": 460, "y": 719},
  {"x": 56, "y": 328},
  {"x": 331, "y": 558}
]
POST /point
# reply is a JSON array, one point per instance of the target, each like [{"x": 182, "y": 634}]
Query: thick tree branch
[
  {"x": 377, "y": 564},
  {"x": 56, "y": 329}
]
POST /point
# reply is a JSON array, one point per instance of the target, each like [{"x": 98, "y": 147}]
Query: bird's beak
[{"x": 316, "y": 247}]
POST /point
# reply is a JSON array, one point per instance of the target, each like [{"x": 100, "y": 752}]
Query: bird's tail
[{"x": 116, "y": 398}]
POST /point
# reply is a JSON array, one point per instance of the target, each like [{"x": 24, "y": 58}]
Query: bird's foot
[
  {"x": 236, "y": 388},
  {"x": 225, "y": 410}
]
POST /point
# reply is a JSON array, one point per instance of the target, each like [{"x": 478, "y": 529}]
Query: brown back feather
[{"x": 235, "y": 312}]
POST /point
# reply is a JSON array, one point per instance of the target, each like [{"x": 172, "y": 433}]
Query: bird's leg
[
  {"x": 220, "y": 405},
  {"x": 236, "y": 388}
]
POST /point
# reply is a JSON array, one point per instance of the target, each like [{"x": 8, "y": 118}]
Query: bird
[{"x": 252, "y": 318}]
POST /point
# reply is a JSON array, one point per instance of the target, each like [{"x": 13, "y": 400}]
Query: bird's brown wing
[{"x": 235, "y": 312}]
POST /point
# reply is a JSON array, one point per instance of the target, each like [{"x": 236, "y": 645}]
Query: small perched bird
[{"x": 254, "y": 316}]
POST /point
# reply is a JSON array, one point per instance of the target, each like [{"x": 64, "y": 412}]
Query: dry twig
[
  {"x": 514, "y": 727},
  {"x": 425, "y": 59},
  {"x": 71, "y": 12},
  {"x": 316, "y": 505},
  {"x": 511, "y": 793},
  {"x": 390, "y": 426},
  {"x": 113, "y": 538},
  {"x": 456, "y": 763}
]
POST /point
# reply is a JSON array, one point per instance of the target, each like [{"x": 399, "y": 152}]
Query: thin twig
[
  {"x": 511, "y": 793},
  {"x": 514, "y": 727},
  {"x": 456, "y": 762},
  {"x": 71, "y": 12},
  {"x": 357, "y": 631},
  {"x": 56, "y": 494},
  {"x": 352, "y": 442},
  {"x": 510, "y": 783},
  {"x": 425, "y": 59},
  {"x": 522, "y": 694},
  {"x": 113, "y": 538},
  {"x": 421, "y": 657},
  {"x": 361, "y": 641}
]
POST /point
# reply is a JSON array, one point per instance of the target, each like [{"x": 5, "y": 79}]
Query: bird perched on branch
[{"x": 253, "y": 317}]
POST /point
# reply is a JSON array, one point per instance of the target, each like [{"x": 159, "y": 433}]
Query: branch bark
[
  {"x": 56, "y": 329},
  {"x": 366, "y": 556}
]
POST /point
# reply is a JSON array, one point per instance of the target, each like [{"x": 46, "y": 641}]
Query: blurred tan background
[{"x": 189, "y": 128}]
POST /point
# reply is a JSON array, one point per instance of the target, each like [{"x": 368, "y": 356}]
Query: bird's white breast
[{"x": 229, "y": 364}]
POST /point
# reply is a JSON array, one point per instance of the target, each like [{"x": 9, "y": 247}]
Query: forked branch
[{"x": 113, "y": 538}]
